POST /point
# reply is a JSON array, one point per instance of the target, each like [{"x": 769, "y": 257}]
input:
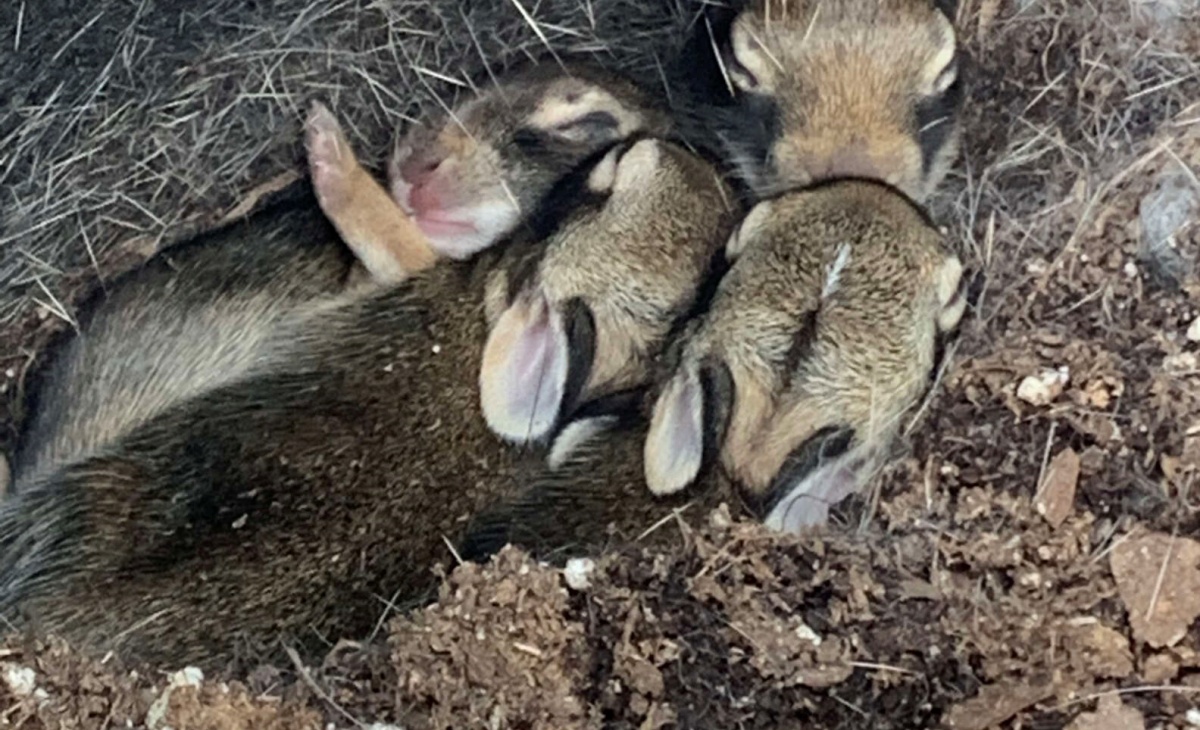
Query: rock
[
  {"x": 1110, "y": 714},
  {"x": 578, "y": 572},
  {"x": 21, "y": 681},
  {"x": 1193, "y": 330},
  {"x": 1160, "y": 669},
  {"x": 1042, "y": 389},
  {"x": 1056, "y": 494},
  {"x": 1158, "y": 579}
]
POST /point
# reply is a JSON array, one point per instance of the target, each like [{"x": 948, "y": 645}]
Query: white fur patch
[
  {"x": 953, "y": 303},
  {"x": 949, "y": 277},
  {"x": 833, "y": 272},
  {"x": 558, "y": 113},
  {"x": 748, "y": 53},
  {"x": 604, "y": 174},
  {"x": 575, "y": 435},
  {"x": 492, "y": 221},
  {"x": 938, "y": 75},
  {"x": 638, "y": 166}
]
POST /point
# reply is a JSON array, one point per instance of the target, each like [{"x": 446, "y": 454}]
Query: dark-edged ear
[
  {"x": 581, "y": 351},
  {"x": 591, "y": 129},
  {"x": 827, "y": 444},
  {"x": 536, "y": 363},
  {"x": 674, "y": 449},
  {"x": 525, "y": 367},
  {"x": 949, "y": 8},
  {"x": 951, "y": 295},
  {"x": 688, "y": 424}
]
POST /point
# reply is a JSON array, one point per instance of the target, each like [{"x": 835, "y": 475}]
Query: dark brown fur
[{"x": 301, "y": 500}]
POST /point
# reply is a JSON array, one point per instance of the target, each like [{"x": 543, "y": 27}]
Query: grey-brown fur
[
  {"x": 803, "y": 364},
  {"x": 195, "y": 316},
  {"x": 190, "y": 319},
  {"x": 299, "y": 501}
]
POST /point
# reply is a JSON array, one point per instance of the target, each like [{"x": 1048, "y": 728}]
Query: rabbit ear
[
  {"x": 952, "y": 300},
  {"x": 689, "y": 424},
  {"x": 524, "y": 374},
  {"x": 674, "y": 450},
  {"x": 536, "y": 363},
  {"x": 819, "y": 473},
  {"x": 746, "y": 230}
]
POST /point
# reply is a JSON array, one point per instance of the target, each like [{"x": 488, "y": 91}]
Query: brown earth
[{"x": 1032, "y": 560}]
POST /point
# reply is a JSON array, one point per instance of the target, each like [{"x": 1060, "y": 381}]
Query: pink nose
[
  {"x": 420, "y": 166},
  {"x": 425, "y": 199},
  {"x": 848, "y": 161}
]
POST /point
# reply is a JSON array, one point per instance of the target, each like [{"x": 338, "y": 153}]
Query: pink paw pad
[{"x": 329, "y": 156}]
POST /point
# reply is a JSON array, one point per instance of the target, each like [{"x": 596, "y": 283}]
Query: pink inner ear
[
  {"x": 808, "y": 502},
  {"x": 524, "y": 371},
  {"x": 675, "y": 444}
]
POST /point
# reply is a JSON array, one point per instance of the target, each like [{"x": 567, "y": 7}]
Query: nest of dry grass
[{"x": 130, "y": 125}]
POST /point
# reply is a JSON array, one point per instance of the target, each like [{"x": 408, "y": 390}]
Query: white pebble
[
  {"x": 1193, "y": 717},
  {"x": 1193, "y": 330},
  {"x": 1041, "y": 389},
  {"x": 805, "y": 633},
  {"x": 21, "y": 681},
  {"x": 578, "y": 573},
  {"x": 187, "y": 677}
]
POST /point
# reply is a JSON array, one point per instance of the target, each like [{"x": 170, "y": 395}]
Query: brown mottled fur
[
  {"x": 299, "y": 501},
  {"x": 828, "y": 319},
  {"x": 174, "y": 329},
  {"x": 800, "y": 355},
  {"x": 633, "y": 286},
  {"x": 843, "y": 88}
]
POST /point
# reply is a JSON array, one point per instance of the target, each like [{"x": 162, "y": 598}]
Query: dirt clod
[
  {"x": 1057, "y": 494},
  {"x": 1158, "y": 576},
  {"x": 1111, "y": 714}
]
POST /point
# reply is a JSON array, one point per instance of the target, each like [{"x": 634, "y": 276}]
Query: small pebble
[
  {"x": 21, "y": 681},
  {"x": 1042, "y": 389},
  {"x": 578, "y": 573},
  {"x": 187, "y": 677},
  {"x": 1193, "y": 331}
]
